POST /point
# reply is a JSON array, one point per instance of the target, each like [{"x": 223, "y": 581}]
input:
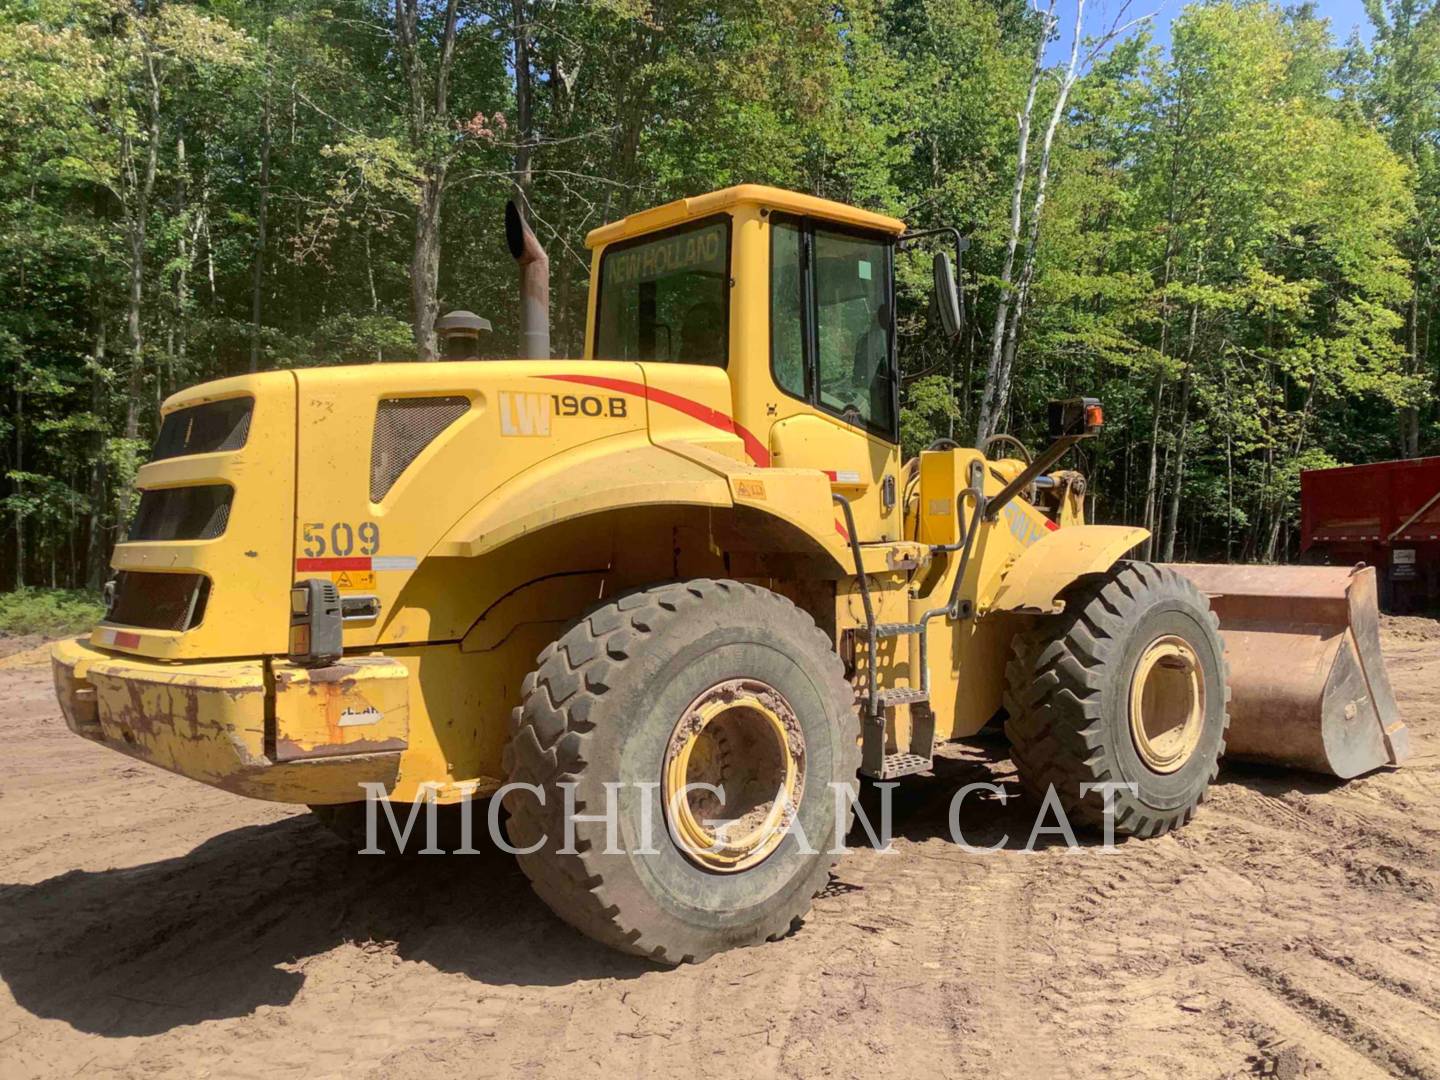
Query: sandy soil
[
  {"x": 10, "y": 644},
  {"x": 151, "y": 926}
]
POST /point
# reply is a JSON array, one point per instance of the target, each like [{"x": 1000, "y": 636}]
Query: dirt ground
[{"x": 151, "y": 926}]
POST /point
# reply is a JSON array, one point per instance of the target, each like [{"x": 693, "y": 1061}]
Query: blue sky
[{"x": 1344, "y": 16}]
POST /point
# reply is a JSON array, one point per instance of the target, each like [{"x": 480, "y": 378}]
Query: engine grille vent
[
  {"x": 188, "y": 513},
  {"x": 403, "y": 428},
  {"x": 158, "y": 601},
  {"x": 203, "y": 429}
]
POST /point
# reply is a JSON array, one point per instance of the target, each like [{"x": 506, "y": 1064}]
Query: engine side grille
[
  {"x": 158, "y": 601},
  {"x": 188, "y": 513},
  {"x": 203, "y": 429},
  {"x": 403, "y": 428}
]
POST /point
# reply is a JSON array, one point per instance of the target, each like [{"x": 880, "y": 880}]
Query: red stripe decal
[
  {"x": 356, "y": 563},
  {"x": 704, "y": 413},
  {"x": 1051, "y": 525},
  {"x": 831, "y": 474},
  {"x": 127, "y": 641},
  {"x": 844, "y": 535}
]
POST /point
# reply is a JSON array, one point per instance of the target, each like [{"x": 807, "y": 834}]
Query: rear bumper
[{"x": 260, "y": 728}]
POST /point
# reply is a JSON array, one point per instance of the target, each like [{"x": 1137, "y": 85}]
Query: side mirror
[{"x": 946, "y": 295}]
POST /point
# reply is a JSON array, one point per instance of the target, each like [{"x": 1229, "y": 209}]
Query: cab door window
[
  {"x": 832, "y": 322},
  {"x": 788, "y": 318}
]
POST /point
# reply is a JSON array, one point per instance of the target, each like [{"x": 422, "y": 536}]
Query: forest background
[{"x": 1229, "y": 239}]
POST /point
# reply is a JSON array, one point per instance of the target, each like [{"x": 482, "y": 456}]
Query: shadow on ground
[
  {"x": 1277, "y": 780},
  {"x": 998, "y": 817},
  {"x": 224, "y": 929},
  {"x": 228, "y": 927}
]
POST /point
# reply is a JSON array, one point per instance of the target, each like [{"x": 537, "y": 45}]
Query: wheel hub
[
  {"x": 734, "y": 773},
  {"x": 1167, "y": 704}
]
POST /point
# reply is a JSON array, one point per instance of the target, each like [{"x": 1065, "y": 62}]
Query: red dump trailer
[{"x": 1386, "y": 515}]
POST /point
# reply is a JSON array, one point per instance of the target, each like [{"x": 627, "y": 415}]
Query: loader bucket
[{"x": 1308, "y": 682}]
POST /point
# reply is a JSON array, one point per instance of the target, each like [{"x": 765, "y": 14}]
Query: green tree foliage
[{"x": 1236, "y": 251}]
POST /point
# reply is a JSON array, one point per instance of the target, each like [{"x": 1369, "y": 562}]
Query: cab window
[
  {"x": 831, "y": 321},
  {"x": 666, "y": 297}
]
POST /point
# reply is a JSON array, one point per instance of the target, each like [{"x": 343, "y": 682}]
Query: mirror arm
[{"x": 962, "y": 245}]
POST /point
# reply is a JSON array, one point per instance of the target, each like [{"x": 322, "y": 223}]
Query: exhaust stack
[{"x": 534, "y": 285}]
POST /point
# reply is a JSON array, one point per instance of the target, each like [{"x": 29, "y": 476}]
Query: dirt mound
[
  {"x": 18, "y": 644},
  {"x": 1410, "y": 627}
]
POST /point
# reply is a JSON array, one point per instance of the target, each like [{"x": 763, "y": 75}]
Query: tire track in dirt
[
  {"x": 1120, "y": 975},
  {"x": 1359, "y": 1028},
  {"x": 149, "y": 926},
  {"x": 1281, "y": 1037},
  {"x": 1403, "y": 975}
]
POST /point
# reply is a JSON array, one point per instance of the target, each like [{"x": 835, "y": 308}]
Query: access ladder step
[
  {"x": 896, "y": 629},
  {"x": 902, "y": 695},
  {"x": 903, "y": 765}
]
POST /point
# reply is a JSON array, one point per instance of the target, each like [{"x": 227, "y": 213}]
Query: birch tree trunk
[
  {"x": 1010, "y": 309},
  {"x": 370, "y": 281},
  {"x": 139, "y": 187},
  {"x": 1172, "y": 526},
  {"x": 19, "y": 511},
  {"x": 1011, "y": 343},
  {"x": 428, "y": 108},
  {"x": 991, "y": 396},
  {"x": 257, "y": 270},
  {"x": 1409, "y": 414},
  {"x": 96, "y": 549},
  {"x": 524, "y": 141},
  {"x": 177, "y": 345},
  {"x": 425, "y": 263},
  {"x": 1152, "y": 476},
  {"x": 1172, "y": 519}
]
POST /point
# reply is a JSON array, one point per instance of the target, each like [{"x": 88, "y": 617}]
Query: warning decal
[{"x": 353, "y": 579}]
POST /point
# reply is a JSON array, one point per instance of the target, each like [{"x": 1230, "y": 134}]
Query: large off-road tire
[
  {"x": 726, "y": 680},
  {"x": 1129, "y": 685}
]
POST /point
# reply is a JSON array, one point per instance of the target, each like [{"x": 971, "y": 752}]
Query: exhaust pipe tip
[
  {"x": 517, "y": 231},
  {"x": 526, "y": 250},
  {"x": 459, "y": 335}
]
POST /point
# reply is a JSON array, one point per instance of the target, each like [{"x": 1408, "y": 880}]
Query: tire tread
[
  {"x": 551, "y": 728},
  {"x": 1053, "y": 689}
]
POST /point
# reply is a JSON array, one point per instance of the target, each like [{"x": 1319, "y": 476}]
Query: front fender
[{"x": 1035, "y": 580}]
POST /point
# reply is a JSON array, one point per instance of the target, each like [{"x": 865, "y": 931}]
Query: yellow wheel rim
[
  {"x": 1167, "y": 704},
  {"x": 742, "y": 741}
]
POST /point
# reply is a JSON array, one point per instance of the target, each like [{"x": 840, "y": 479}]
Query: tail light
[{"x": 315, "y": 623}]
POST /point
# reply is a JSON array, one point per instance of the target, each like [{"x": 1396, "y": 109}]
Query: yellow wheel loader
[{"x": 671, "y": 597}]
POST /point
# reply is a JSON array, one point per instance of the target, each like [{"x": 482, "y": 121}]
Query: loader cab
[{"x": 793, "y": 298}]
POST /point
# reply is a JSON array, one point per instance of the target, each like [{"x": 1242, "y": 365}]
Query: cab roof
[{"x": 681, "y": 210}]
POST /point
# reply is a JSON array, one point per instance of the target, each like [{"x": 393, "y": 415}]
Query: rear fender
[
  {"x": 787, "y": 510},
  {"x": 1035, "y": 580},
  {"x": 580, "y": 483}
]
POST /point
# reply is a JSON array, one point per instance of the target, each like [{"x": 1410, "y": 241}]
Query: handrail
[
  {"x": 950, "y": 609},
  {"x": 871, "y": 641}
]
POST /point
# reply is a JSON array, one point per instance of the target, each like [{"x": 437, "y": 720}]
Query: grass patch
[{"x": 51, "y": 612}]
